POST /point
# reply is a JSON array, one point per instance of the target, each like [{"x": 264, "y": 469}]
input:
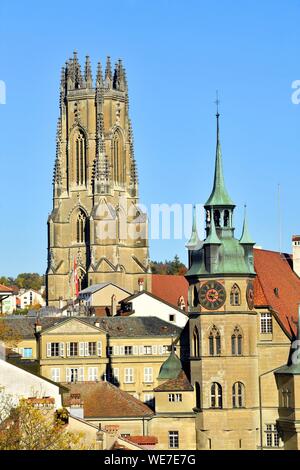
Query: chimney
[
  {"x": 296, "y": 254},
  {"x": 113, "y": 305},
  {"x": 141, "y": 284},
  {"x": 38, "y": 326}
]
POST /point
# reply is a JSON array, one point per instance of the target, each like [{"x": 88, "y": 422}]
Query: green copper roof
[
  {"x": 219, "y": 195},
  {"x": 212, "y": 238},
  {"x": 170, "y": 368},
  {"x": 194, "y": 240},
  {"x": 246, "y": 238}
]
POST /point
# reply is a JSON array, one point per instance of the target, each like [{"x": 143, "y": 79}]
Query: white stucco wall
[
  {"x": 146, "y": 306},
  {"x": 22, "y": 384}
]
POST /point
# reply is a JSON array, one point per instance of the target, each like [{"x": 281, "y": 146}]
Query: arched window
[
  {"x": 82, "y": 280},
  {"x": 235, "y": 295},
  {"x": 196, "y": 342},
  {"x": 238, "y": 395},
  {"x": 80, "y": 157},
  {"x": 216, "y": 395},
  {"x": 198, "y": 395},
  {"x": 214, "y": 340},
  {"x": 217, "y": 218},
  {"x": 226, "y": 218},
  {"x": 237, "y": 342},
  {"x": 80, "y": 227},
  {"x": 118, "y": 169}
]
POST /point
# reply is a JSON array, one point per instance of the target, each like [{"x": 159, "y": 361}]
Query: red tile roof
[
  {"x": 143, "y": 440},
  {"x": 170, "y": 288},
  {"x": 5, "y": 288},
  {"x": 181, "y": 383},
  {"x": 104, "y": 400},
  {"x": 276, "y": 285}
]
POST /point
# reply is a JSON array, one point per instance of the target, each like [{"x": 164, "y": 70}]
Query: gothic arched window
[
  {"x": 80, "y": 158},
  {"x": 238, "y": 395},
  {"x": 80, "y": 227},
  {"x": 237, "y": 342},
  {"x": 235, "y": 295},
  {"x": 198, "y": 395},
  {"x": 216, "y": 395},
  {"x": 217, "y": 218},
  {"x": 196, "y": 343},
  {"x": 226, "y": 218},
  {"x": 214, "y": 341},
  {"x": 118, "y": 169}
]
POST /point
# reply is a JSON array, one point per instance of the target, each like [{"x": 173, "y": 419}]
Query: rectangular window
[
  {"x": 116, "y": 376},
  {"x": 73, "y": 349},
  {"x": 149, "y": 399},
  {"x": 175, "y": 397},
  {"x": 147, "y": 349},
  {"x": 54, "y": 349},
  {"x": 92, "y": 348},
  {"x": 55, "y": 375},
  {"x": 272, "y": 436},
  {"x": 27, "y": 353},
  {"x": 148, "y": 374},
  {"x": 128, "y": 375},
  {"x": 128, "y": 350},
  {"x": 109, "y": 350},
  {"x": 72, "y": 374},
  {"x": 172, "y": 318},
  {"x": 92, "y": 374},
  {"x": 266, "y": 323},
  {"x": 173, "y": 439}
]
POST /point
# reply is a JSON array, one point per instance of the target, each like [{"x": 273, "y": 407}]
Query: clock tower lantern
[{"x": 222, "y": 324}]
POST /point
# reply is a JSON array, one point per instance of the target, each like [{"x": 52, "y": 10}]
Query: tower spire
[
  {"x": 246, "y": 238},
  {"x": 108, "y": 71},
  {"x": 194, "y": 239},
  {"x": 219, "y": 195},
  {"x": 88, "y": 73}
]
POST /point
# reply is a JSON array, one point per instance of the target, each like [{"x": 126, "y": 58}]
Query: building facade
[{"x": 96, "y": 231}]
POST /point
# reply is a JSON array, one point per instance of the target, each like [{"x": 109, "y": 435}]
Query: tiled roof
[
  {"x": 170, "y": 288},
  {"x": 143, "y": 440},
  {"x": 104, "y": 400},
  {"x": 129, "y": 327},
  {"x": 95, "y": 287},
  {"x": 181, "y": 383},
  {"x": 5, "y": 289}
]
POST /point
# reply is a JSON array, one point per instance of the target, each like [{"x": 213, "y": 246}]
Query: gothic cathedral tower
[
  {"x": 222, "y": 325},
  {"x": 96, "y": 227}
]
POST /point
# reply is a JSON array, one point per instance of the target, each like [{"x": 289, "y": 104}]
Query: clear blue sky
[{"x": 177, "y": 53}]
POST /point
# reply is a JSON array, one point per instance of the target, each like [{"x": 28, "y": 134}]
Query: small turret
[
  {"x": 88, "y": 73},
  {"x": 99, "y": 76},
  {"x": 108, "y": 72}
]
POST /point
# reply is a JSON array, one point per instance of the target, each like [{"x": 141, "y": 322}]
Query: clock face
[
  {"x": 212, "y": 295},
  {"x": 250, "y": 295}
]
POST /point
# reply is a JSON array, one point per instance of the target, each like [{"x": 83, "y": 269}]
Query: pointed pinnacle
[
  {"x": 108, "y": 70},
  {"x": 88, "y": 72},
  {"x": 99, "y": 76}
]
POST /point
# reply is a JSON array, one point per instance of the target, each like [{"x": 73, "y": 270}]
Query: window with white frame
[
  {"x": 175, "y": 397},
  {"x": 148, "y": 374},
  {"x": 116, "y": 375},
  {"x": 93, "y": 374},
  {"x": 54, "y": 349},
  {"x": 128, "y": 379},
  {"x": 147, "y": 349},
  {"x": 285, "y": 398},
  {"x": 73, "y": 349},
  {"x": 149, "y": 399},
  {"x": 27, "y": 353},
  {"x": 266, "y": 323},
  {"x": 272, "y": 436},
  {"x": 173, "y": 439},
  {"x": 55, "y": 374},
  {"x": 128, "y": 350},
  {"x": 92, "y": 348}
]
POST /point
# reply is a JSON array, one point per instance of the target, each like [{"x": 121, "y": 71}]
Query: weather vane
[{"x": 217, "y": 102}]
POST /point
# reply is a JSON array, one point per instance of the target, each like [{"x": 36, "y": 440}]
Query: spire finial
[
  {"x": 246, "y": 238},
  {"x": 217, "y": 102}
]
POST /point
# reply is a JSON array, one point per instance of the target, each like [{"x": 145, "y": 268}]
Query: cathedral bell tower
[
  {"x": 222, "y": 324},
  {"x": 96, "y": 230}
]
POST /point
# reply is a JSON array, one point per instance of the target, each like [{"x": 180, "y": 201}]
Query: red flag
[{"x": 76, "y": 278}]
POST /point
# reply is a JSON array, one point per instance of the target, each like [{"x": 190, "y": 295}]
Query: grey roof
[
  {"x": 96, "y": 287},
  {"x": 128, "y": 327}
]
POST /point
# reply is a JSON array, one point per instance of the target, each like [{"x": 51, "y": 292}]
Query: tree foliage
[
  {"x": 27, "y": 427},
  {"x": 174, "y": 267},
  {"x": 8, "y": 335},
  {"x": 24, "y": 281}
]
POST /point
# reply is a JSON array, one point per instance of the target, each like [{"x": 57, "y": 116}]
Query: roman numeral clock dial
[{"x": 212, "y": 295}]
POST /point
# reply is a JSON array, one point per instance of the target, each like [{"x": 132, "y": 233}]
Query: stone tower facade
[
  {"x": 223, "y": 326},
  {"x": 96, "y": 230}
]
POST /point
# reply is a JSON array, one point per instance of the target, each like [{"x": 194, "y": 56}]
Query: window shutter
[
  {"x": 81, "y": 349},
  {"x": 62, "y": 349},
  {"x": 48, "y": 349},
  {"x": 135, "y": 350},
  {"x": 160, "y": 349},
  {"x": 86, "y": 349},
  {"x": 132, "y": 372},
  {"x": 122, "y": 350},
  {"x": 81, "y": 374},
  {"x": 68, "y": 374},
  {"x": 116, "y": 350},
  {"x": 68, "y": 349},
  {"x": 116, "y": 375},
  {"x": 99, "y": 348},
  {"x": 154, "y": 349},
  {"x": 141, "y": 350},
  {"x": 55, "y": 375}
]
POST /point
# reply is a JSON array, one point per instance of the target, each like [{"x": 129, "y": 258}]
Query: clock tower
[{"x": 222, "y": 324}]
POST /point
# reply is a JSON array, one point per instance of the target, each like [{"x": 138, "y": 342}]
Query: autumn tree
[
  {"x": 8, "y": 335},
  {"x": 30, "y": 428}
]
